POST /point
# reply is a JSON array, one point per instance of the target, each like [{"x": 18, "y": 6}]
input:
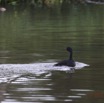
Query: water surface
[{"x": 37, "y": 36}]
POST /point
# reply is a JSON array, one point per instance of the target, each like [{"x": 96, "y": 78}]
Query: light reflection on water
[
  {"x": 41, "y": 37},
  {"x": 39, "y": 90}
]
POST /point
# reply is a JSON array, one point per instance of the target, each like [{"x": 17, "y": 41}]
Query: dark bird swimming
[{"x": 70, "y": 62}]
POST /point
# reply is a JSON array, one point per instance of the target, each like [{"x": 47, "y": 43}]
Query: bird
[
  {"x": 69, "y": 62},
  {"x": 2, "y": 9}
]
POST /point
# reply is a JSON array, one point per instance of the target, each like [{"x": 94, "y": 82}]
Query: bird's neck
[{"x": 71, "y": 56}]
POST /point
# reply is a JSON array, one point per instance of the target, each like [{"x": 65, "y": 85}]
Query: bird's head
[{"x": 69, "y": 49}]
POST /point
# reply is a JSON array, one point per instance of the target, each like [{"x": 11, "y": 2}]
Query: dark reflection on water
[{"x": 30, "y": 36}]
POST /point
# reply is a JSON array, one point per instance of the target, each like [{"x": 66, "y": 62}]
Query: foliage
[{"x": 43, "y": 3}]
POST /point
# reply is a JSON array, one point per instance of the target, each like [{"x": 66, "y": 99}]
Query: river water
[{"x": 31, "y": 36}]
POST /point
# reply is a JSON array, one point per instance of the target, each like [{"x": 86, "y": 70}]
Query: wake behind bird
[{"x": 15, "y": 70}]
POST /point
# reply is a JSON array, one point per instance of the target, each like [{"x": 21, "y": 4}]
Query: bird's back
[{"x": 69, "y": 63}]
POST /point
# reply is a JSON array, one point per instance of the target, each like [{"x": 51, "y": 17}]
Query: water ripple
[{"x": 10, "y": 71}]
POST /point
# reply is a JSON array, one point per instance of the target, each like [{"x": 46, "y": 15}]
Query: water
[{"x": 41, "y": 36}]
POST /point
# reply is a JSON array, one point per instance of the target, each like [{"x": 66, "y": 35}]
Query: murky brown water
[{"x": 41, "y": 36}]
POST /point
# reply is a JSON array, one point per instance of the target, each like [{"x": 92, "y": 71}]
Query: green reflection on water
[{"x": 47, "y": 33}]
